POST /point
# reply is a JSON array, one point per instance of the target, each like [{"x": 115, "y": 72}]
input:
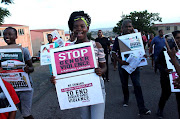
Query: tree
[
  {"x": 89, "y": 35},
  {"x": 4, "y": 12},
  {"x": 143, "y": 21}
]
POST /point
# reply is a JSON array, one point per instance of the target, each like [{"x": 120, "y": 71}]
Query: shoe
[
  {"x": 145, "y": 112},
  {"x": 107, "y": 80},
  {"x": 125, "y": 105},
  {"x": 159, "y": 114}
]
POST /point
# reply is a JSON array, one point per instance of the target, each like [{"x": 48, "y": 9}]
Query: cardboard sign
[
  {"x": 45, "y": 54},
  {"x": 57, "y": 38},
  {"x": 79, "y": 91},
  {"x": 173, "y": 75},
  {"x": 6, "y": 102},
  {"x": 132, "y": 44},
  {"x": 73, "y": 60}
]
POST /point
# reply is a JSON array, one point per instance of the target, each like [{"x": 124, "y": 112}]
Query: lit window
[{"x": 1, "y": 33}]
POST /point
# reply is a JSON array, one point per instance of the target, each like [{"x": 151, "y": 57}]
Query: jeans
[
  {"x": 135, "y": 77},
  {"x": 94, "y": 111},
  {"x": 107, "y": 71},
  {"x": 166, "y": 92}
]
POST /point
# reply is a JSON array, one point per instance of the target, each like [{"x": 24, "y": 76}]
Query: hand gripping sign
[{"x": 73, "y": 60}]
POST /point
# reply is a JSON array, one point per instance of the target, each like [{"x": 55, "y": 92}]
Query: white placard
[
  {"x": 57, "y": 38},
  {"x": 45, "y": 54},
  {"x": 73, "y": 60},
  {"x": 8, "y": 104},
  {"x": 79, "y": 91},
  {"x": 173, "y": 75}
]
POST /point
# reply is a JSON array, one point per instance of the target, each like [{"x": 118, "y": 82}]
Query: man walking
[
  {"x": 127, "y": 28},
  {"x": 106, "y": 45}
]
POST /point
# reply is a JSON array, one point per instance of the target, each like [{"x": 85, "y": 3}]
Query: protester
[
  {"x": 144, "y": 39},
  {"x": 127, "y": 28},
  {"x": 79, "y": 23},
  {"x": 159, "y": 42},
  {"x": 106, "y": 46},
  {"x": 152, "y": 50},
  {"x": 164, "y": 80},
  {"x": 50, "y": 40},
  {"x": 10, "y": 36}
]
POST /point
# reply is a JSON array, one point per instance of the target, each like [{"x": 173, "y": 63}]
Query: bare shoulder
[{"x": 98, "y": 45}]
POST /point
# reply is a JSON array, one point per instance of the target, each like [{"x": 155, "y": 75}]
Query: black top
[{"x": 104, "y": 42}]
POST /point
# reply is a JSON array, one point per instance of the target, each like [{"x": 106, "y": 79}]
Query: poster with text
[
  {"x": 18, "y": 78},
  {"x": 132, "y": 41},
  {"x": 73, "y": 60},
  {"x": 6, "y": 102},
  {"x": 11, "y": 58},
  {"x": 79, "y": 91},
  {"x": 173, "y": 75},
  {"x": 138, "y": 53},
  {"x": 45, "y": 54},
  {"x": 57, "y": 38}
]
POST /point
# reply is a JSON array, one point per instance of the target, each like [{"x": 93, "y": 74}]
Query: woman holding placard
[{"x": 79, "y": 23}]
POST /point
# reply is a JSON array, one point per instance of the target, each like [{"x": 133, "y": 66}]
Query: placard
[
  {"x": 45, "y": 54},
  {"x": 173, "y": 75},
  {"x": 73, "y": 60},
  {"x": 132, "y": 44},
  {"x": 79, "y": 91},
  {"x": 57, "y": 38},
  {"x": 6, "y": 102},
  {"x": 17, "y": 78}
]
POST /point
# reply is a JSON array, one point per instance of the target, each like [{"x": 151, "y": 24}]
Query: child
[
  {"x": 10, "y": 36},
  {"x": 12, "y": 93}
]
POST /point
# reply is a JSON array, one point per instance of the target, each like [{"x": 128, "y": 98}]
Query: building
[
  {"x": 39, "y": 37},
  {"x": 167, "y": 27},
  {"x": 24, "y": 37}
]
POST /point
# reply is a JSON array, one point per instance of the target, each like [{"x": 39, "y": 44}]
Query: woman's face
[{"x": 80, "y": 30}]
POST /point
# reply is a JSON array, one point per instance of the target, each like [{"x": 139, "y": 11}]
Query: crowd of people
[{"x": 79, "y": 23}]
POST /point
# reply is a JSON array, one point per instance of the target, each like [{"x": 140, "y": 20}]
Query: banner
[
  {"x": 173, "y": 75},
  {"x": 57, "y": 38},
  {"x": 132, "y": 44},
  {"x": 6, "y": 102},
  {"x": 79, "y": 91},
  {"x": 73, "y": 60},
  {"x": 45, "y": 54}
]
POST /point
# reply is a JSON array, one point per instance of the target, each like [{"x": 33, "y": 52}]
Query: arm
[
  {"x": 12, "y": 115},
  {"x": 29, "y": 67},
  {"x": 102, "y": 64}
]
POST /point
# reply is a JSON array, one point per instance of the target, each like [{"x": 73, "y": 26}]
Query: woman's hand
[
  {"x": 53, "y": 80},
  {"x": 176, "y": 83},
  {"x": 124, "y": 63},
  {"x": 98, "y": 71}
]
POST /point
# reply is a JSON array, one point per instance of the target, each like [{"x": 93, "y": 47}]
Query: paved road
[{"x": 45, "y": 104}]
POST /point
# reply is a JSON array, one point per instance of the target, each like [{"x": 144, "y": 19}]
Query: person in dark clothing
[
  {"x": 106, "y": 46},
  {"x": 164, "y": 81},
  {"x": 127, "y": 28}
]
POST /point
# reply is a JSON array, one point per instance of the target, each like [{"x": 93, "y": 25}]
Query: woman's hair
[
  {"x": 76, "y": 14},
  {"x": 175, "y": 33}
]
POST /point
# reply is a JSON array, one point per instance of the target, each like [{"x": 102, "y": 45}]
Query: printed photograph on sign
[
  {"x": 73, "y": 60},
  {"x": 6, "y": 103},
  {"x": 173, "y": 75},
  {"x": 45, "y": 54},
  {"x": 57, "y": 38},
  {"x": 79, "y": 91},
  {"x": 18, "y": 78},
  {"x": 11, "y": 58},
  {"x": 138, "y": 53}
]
